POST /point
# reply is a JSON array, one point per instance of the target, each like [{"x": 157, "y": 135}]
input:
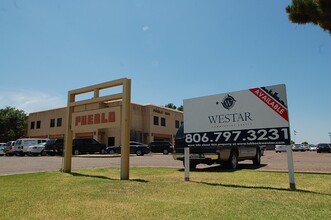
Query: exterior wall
[
  {"x": 162, "y": 123},
  {"x": 143, "y": 123},
  {"x": 47, "y": 129}
]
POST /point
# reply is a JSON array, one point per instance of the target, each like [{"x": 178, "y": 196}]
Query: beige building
[{"x": 148, "y": 123}]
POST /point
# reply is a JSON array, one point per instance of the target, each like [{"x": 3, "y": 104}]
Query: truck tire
[
  {"x": 103, "y": 151},
  {"x": 76, "y": 152},
  {"x": 257, "y": 159},
  {"x": 233, "y": 160},
  {"x": 193, "y": 165},
  {"x": 139, "y": 152}
]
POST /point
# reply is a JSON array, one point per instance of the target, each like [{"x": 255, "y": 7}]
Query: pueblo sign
[
  {"x": 257, "y": 116},
  {"x": 96, "y": 119}
]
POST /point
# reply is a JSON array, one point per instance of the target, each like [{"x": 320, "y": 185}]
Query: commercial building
[{"x": 148, "y": 123}]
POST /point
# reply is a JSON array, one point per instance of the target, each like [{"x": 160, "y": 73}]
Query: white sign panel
[{"x": 255, "y": 116}]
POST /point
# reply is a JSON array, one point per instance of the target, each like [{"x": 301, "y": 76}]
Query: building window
[
  {"x": 38, "y": 124},
  {"x": 32, "y": 125},
  {"x": 52, "y": 123},
  {"x": 59, "y": 122},
  {"x": 176, "y": 124},
  {"x": 156, "y": 120},
  {"x": 163, "y": 122}
]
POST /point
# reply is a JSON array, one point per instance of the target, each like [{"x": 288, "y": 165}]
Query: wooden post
[
  {"x": 67, "y": 157},
  {"x": 125, "y": 130},
  {"x": 125, "y": 96}
]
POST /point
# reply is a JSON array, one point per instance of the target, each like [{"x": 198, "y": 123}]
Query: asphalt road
[{"x": 303, "y": 162}]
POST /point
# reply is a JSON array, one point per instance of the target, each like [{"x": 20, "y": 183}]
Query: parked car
[
  {"x": 164, "y": 147},
  {"x": 54, "y": 146},
  {"x": 79, "y": 146},
  {"x": 36, "y": 150},
  {"x": 280, "y": 148},
  {"x": 87, "y": 145},
  {"x": 305, "y": 147},
  {"x": 2, "y": 149},
  {"x": 113, "y": 149},
  {"x": 297, "y": 147},
  {"x": 312, "y": 147},
  {"x": 139, "y": 148},
  {"x": 323, "y": 147},
  {"x": 135, "y": 148},
  {"x": 21, "y": 145},
  {"x": 9, "y": 148}
]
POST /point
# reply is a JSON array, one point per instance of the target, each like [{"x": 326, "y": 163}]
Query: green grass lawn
[{"x": 162, "y": 193}]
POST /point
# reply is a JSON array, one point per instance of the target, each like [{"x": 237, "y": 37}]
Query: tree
[
  {"x": 180, "y": 108},
  {"x": 317, "y": 12},
  {"x": 172, "y": 106},
  {"x": 13, "y": 124}
]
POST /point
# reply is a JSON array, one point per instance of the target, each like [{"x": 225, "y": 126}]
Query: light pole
[{"x": 295, "y": 133}]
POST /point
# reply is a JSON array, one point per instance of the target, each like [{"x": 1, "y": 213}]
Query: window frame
[
  {"x": 163, "y": 122},
  {"x": 156, "y": 120},
  {"x": 38, "y": 124},
  {"x": 52, "y": 122}
]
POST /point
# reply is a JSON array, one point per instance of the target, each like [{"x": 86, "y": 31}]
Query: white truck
[
  {"x": 227, "y": 155},
  {"x": 21, "y": 145}
]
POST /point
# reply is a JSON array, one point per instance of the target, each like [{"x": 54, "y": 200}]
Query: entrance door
[{"x": 111, "y": 141}]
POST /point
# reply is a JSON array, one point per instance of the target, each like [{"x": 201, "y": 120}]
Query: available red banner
[{"x": 271, "y": 102}]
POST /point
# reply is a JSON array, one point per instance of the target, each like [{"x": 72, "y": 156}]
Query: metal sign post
[
  {"x": 187, "y": 163},
  {"x": 125, "y": 96},
  {"x": 290, "y": 167}
]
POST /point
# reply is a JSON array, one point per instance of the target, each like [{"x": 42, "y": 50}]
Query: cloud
[
  {"x": 30, "y": 101},
  {"x": 145, "y": 28}
]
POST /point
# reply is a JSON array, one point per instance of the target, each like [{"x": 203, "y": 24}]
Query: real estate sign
[{"x": 257, "y": 116}]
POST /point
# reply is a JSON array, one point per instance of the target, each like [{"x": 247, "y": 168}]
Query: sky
[{"x": 171, "y": 50}]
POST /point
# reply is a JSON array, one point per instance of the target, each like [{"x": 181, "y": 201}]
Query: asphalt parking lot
[{"x": 311, "y": 162}]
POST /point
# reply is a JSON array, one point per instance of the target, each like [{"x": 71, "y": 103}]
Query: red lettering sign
[
  {"x": 90, "y": 119},
  {"x": 83, "y": 118},
  {"x": 103, "y": 118},
  {"x": 111, "y": 116},
  {"x": 77, "y": 121},
  {"x": 98, "y": 118}
]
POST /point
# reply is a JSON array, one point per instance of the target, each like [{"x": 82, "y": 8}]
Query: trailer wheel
[
  {"x": 257, "y": 159},
  {"x": 233, "y": 160}
]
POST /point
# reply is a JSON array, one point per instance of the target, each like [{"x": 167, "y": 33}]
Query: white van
[{"x": 22, "y": 145}]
